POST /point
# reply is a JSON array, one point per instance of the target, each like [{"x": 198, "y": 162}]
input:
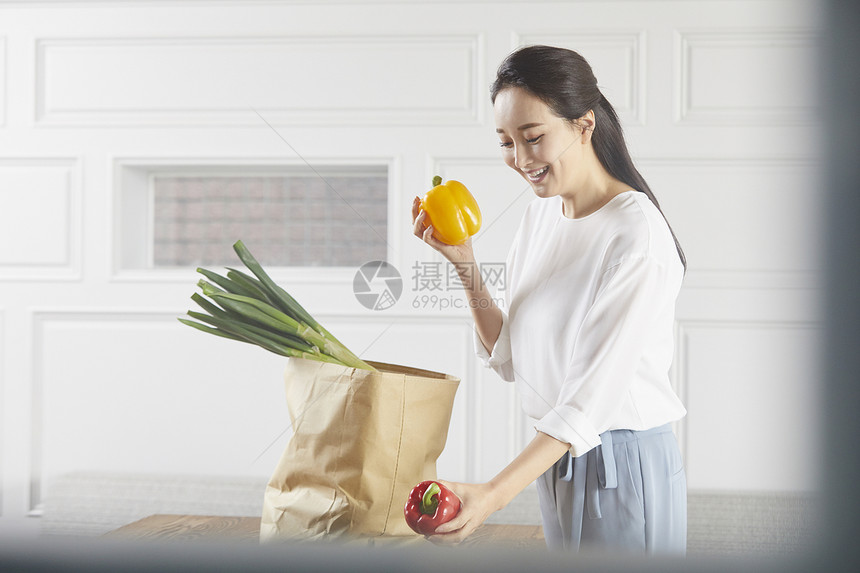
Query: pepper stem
[
  {"x": 430, "y": 501},
  {"x": 437, "y": 181}
]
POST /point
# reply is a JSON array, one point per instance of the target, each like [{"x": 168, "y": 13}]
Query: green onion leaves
[{"x": 255, "y": 310}]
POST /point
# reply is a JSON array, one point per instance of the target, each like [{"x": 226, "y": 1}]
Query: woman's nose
[{"x": 521, "y": 157}]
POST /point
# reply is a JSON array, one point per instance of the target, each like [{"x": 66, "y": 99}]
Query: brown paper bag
[{"x": 361, "y": 440}]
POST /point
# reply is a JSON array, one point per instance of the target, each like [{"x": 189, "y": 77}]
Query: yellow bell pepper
[{"x": 452, "y": 211}]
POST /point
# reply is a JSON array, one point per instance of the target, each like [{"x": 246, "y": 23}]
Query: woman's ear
[{"x": 587, "y": 123}]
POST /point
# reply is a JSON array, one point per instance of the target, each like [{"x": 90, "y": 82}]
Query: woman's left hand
[{"x": 477, "y": 502}]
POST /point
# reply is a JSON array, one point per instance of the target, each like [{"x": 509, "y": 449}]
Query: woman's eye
[
  {"x": 505, "y": 144},
  {"x": 534, "y": 139}
]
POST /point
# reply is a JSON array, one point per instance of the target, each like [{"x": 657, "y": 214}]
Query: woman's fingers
[
  {"x": 451, "y": 533},
  {"x": 416, "y": 207},
  {"x": 457, "y": 533},
  {"x": 419, "y": 218},
  {"x": 418, "y": 225},
  {"x": 461, "y": 526},
  {"x": 453, "y": 525}
]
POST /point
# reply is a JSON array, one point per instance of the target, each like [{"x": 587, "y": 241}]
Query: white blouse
[{"x": 587, "y": 331}]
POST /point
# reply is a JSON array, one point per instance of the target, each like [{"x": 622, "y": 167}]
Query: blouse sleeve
[
  {"x": 500, "y": 359},
  {"x": 607, "y": 350}
]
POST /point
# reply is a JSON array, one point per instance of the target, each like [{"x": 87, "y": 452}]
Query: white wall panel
[
  {"x": 617, "y": 58},
  {"x": 499, "y": 423},
  {"x": 140, "y": 392},
  {"x": 741, "y": 76},
  {"x": 759, "y": 219},
  {"x": 39, "y": 217},
  {"x": 753, "y": 400},
  {"x": 328, "y": 80}
]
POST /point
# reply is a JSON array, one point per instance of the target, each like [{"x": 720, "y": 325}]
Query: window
[{"x": 334, "y": 216}]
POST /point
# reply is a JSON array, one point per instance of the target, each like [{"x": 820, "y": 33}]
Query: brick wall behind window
[{"x": 335, "y": 220}]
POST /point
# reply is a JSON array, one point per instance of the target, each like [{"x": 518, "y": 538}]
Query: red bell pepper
[{"x": 430, "y": 504}]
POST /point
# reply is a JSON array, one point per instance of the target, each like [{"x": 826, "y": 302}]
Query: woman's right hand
[
  {"x": 456, "y": 254},
  {"x": 488, "y": 317}
]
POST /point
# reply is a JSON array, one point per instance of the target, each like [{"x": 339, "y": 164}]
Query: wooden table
[{"x": 164, "y": 527}]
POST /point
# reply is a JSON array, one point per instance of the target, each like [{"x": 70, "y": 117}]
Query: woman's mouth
[{"x": 537, "y": 175}]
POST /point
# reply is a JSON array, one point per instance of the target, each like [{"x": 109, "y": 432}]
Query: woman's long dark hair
[{"x": 563, "y": 80}]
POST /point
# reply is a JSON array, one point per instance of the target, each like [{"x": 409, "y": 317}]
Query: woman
[{"x": 586, "y": 335}]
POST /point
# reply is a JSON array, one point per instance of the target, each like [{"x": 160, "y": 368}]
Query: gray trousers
[{"x": 629, "y": 493}]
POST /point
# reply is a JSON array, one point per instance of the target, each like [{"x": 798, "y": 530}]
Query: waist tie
[
  {"x": 599, "y": 465},
  {"x": 587, "y": 475}
]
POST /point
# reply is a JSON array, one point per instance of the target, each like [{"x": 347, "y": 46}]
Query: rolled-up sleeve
[
  {"x": 608, "y": 348},
  {"x": 500, "y": 358}
]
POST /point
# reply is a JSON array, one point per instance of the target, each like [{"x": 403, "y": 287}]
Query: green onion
[{"x": 255, "y": 310}]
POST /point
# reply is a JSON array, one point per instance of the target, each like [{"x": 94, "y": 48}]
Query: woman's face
[{"x": 542, "y": 147}]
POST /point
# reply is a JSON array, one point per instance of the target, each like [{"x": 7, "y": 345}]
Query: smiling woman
[
  {"x": 568, "y": 108},
  {"x": 586, "y": 328}
]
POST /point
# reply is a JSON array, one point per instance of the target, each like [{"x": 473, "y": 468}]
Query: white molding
[
  {"x": 468, "y": 418},
  {"x": 71, "y": 268},
  {"x": 678, "y": 379},
  {"x": 685, "y": 43},
  {"x": 734, "y": 323},
  {"x": 634, "y": 42},
  {"x": 515, "y": 416},
  {"x": 471, "y": 113},
  {"x": 473, "y": 370},
  {"x": 396, "y": 207},
  {"x": 3, "y": 81},
  {"x": 34, "y": 500},
  {"x": 744, "y": 161},
  {"x": 753, "y": 280},
  {"x": 519, "y": 423}
]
